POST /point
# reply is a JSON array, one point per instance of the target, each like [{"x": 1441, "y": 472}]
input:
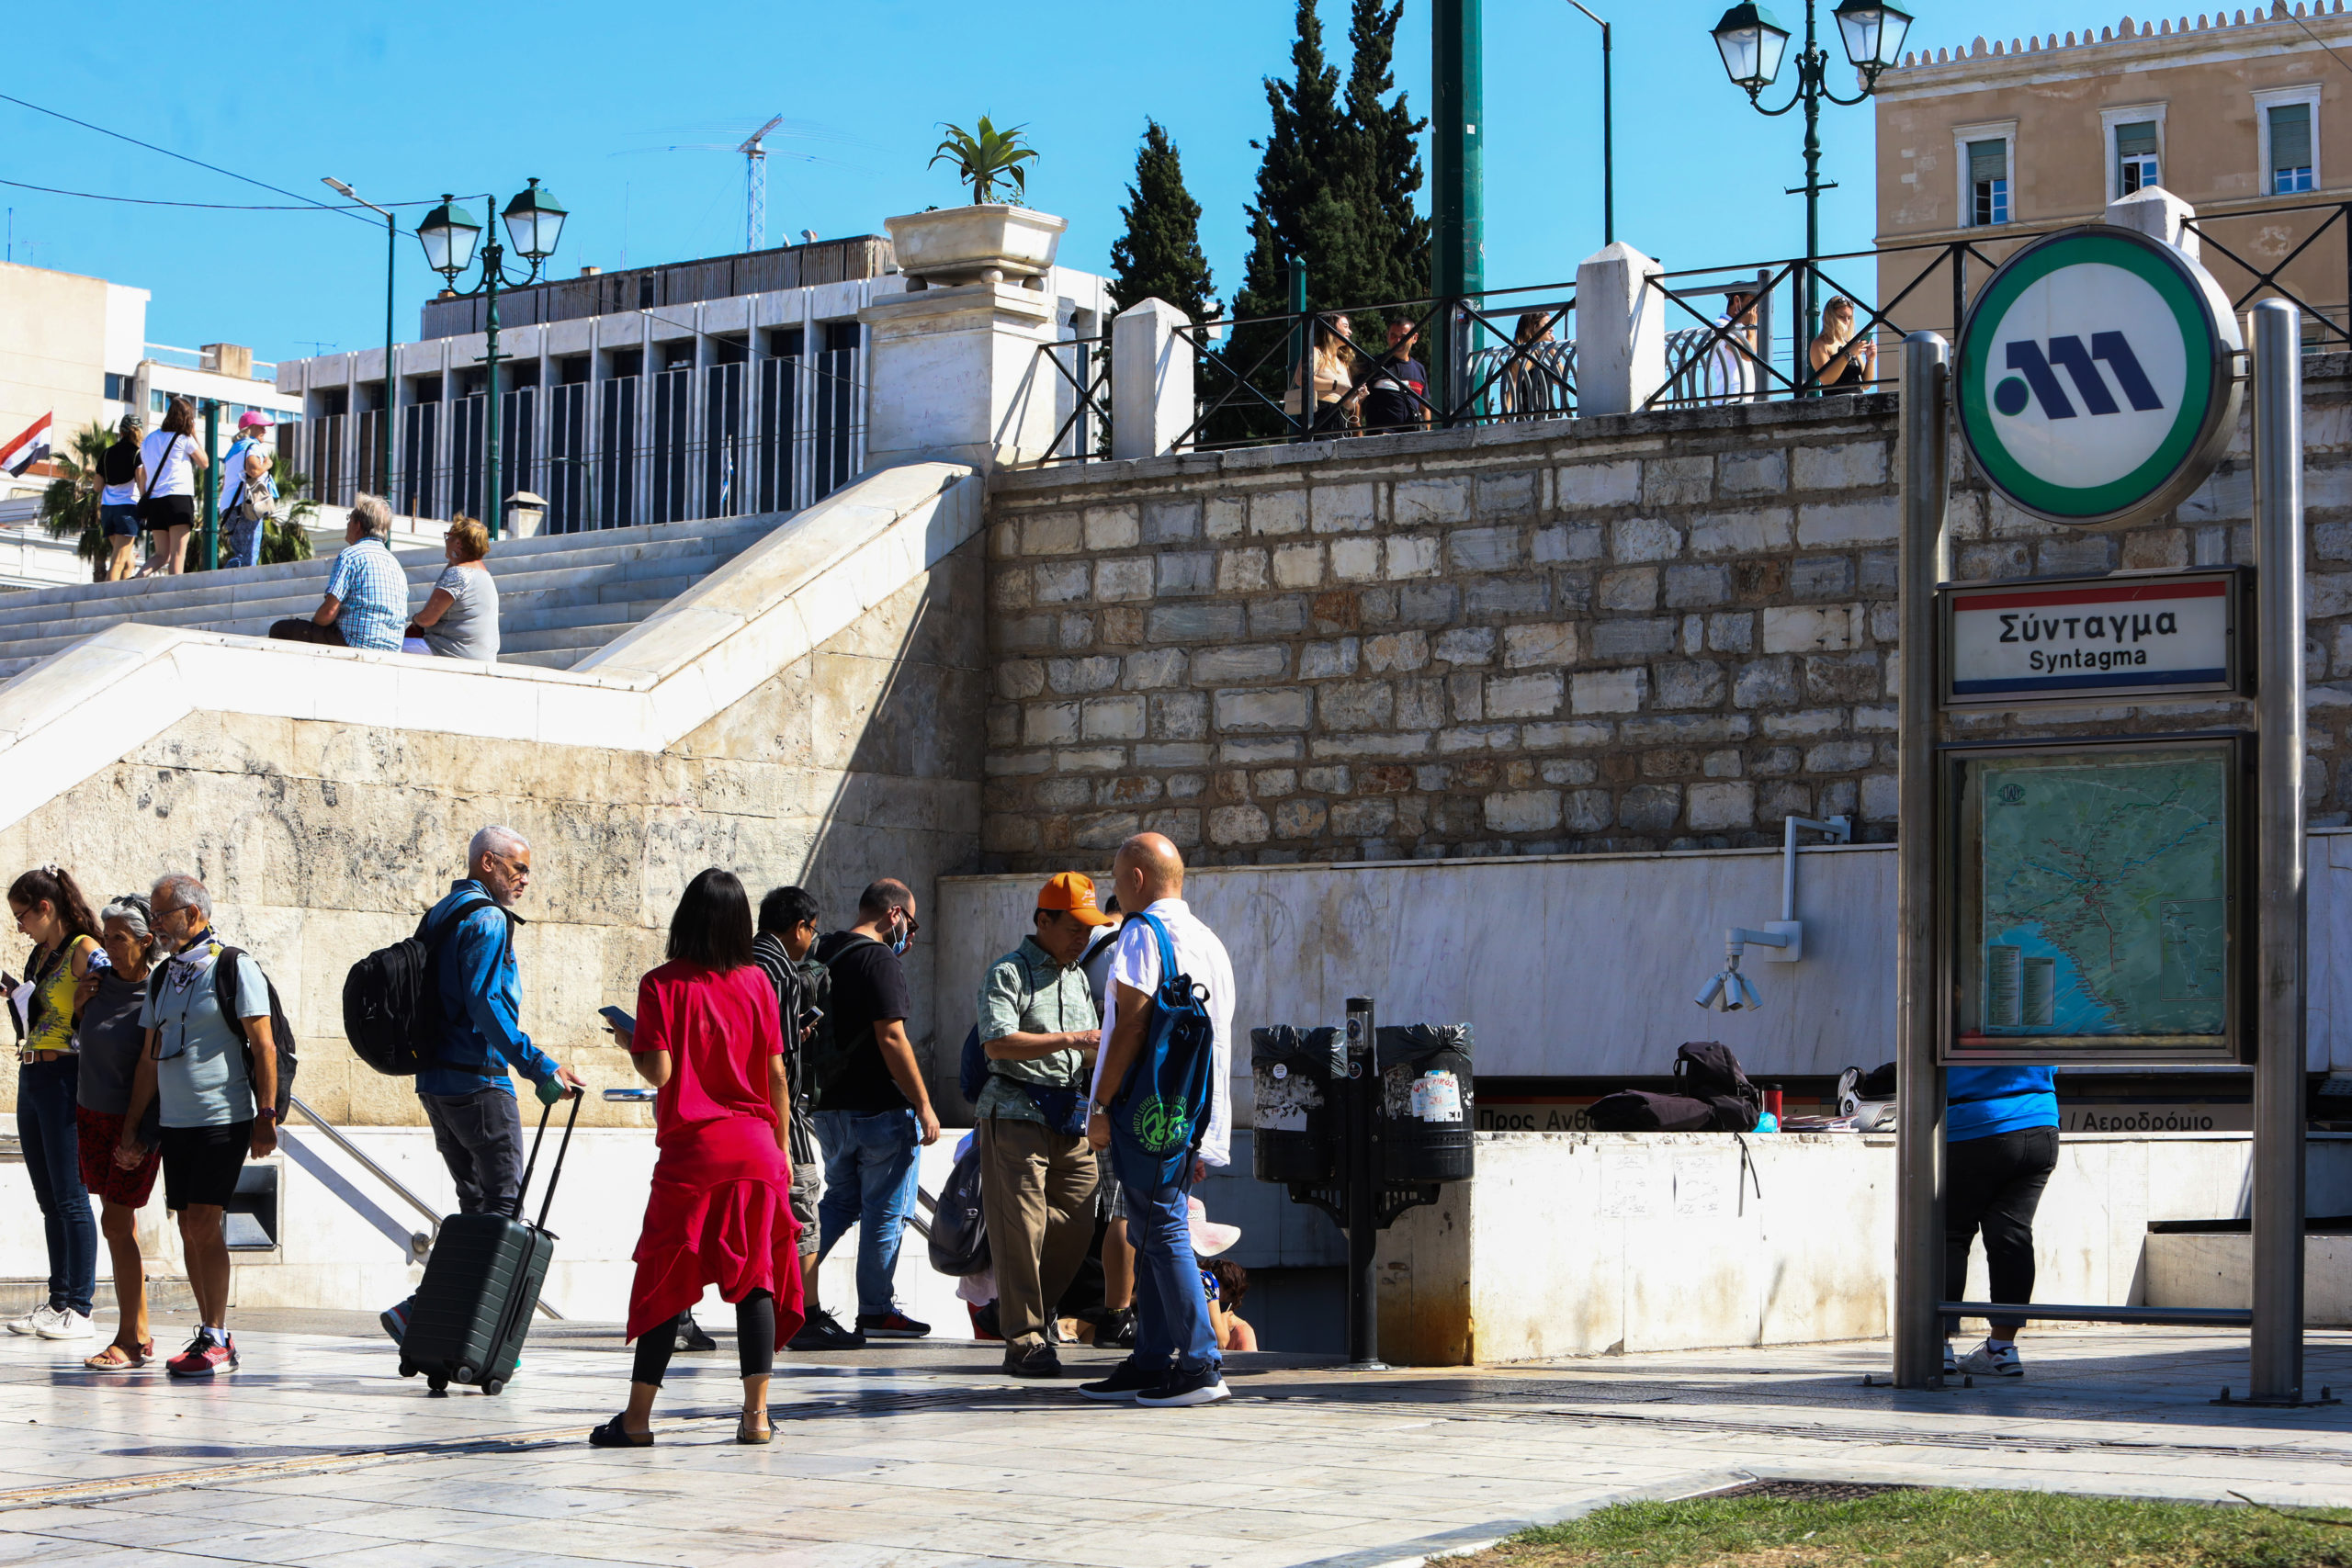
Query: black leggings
[
  {"x": 754, "y": 1341},
  {"x": 1996, "y": 1184}
]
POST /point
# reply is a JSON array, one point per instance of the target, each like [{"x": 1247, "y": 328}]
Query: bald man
[{"x": 1175, "y": 1362}]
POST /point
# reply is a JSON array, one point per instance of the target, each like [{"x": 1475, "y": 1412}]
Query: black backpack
[
  {"x": 824, "y": 1056},
  {"x": 224, "y": 997},
  {"x": 1706, "y": 1070},
  {"x": 959, "y": 1226},
  {"x": 391, "y": 1005}
]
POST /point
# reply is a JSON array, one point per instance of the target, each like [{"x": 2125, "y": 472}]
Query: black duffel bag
[
  {"x": 1639, "y": 1111},
  {"x": 959, "y": 1228}
]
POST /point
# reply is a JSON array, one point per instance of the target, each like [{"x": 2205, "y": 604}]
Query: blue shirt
[
  {"x": 373, "y": 591},
  {"x": 200, "y": 1077},
  {"x": 482, "y": 1035},
  {"x": 1981, "y": 1102}
]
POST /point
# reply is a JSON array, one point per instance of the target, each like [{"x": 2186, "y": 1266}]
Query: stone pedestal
[
  {"x": 956, "y": 377},
  {"x": 2159, "y": 214},
  {"x": 1152, "y": 401},
  {"x": 1621, "y": 331}
]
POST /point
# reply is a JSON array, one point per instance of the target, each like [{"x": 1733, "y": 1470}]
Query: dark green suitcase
[{"x": 482, "y": 1285}]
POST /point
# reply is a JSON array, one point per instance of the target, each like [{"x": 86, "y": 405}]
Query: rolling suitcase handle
[{"x": 532, "y": 1163}]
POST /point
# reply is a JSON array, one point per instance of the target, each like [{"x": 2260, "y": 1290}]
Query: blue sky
[{"x": 406, "y": 101}]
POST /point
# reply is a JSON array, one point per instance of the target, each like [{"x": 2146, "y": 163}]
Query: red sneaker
[
  {"x": 891, "y": 1325},
  {"x": 204, "y": 1357}
]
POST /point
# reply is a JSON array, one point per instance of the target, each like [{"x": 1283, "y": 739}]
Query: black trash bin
[
  {"x": 1296, "y": 1072},
  {"x": 1425, "y": 1095}
]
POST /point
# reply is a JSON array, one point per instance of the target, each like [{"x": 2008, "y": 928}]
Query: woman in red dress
[{"x": 720, "y": 1213}]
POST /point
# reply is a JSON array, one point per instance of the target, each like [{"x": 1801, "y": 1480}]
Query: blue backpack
[{"x": 1161, "y": 1110}]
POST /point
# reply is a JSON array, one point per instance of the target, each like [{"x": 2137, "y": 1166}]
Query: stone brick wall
[{"x": 1651, "y": 631}]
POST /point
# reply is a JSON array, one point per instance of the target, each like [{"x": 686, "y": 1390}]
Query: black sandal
[{"x": 612, "y": 1435}]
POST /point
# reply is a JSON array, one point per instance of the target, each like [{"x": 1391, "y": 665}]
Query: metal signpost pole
[
  {"x": 1919, "y": 1082},
  {"x": 1457, "y": 186},
  {"x": 1362, "y": 1175},
  {"x": 2278, "y": 1365}
]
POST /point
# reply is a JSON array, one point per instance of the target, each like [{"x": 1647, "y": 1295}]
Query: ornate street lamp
[
  {"x": 534, "y": 221},
  {"x": 1752, "y": 43}
]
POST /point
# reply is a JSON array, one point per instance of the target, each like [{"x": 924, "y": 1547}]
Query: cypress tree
[
  {"x": 1159, "y": 256},
  {"x": 1384, "y": 170}
]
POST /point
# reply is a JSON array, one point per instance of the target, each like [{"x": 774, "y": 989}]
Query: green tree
[
  {"x": 284, "y": 537},
  {"x": 1160, "y": 255},
  {"x": 1385, "y": 162},
  {"x": 69, "y": 507}
]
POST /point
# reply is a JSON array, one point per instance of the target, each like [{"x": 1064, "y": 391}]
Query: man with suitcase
[{"x": 467, "y": 1096}]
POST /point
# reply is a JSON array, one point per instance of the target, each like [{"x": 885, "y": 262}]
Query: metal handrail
[{"x": 417, "y": 1253}]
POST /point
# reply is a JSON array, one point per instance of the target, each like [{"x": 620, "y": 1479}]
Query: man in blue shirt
[
  {"x": 467, "y": 1096},
  {"x": 367, "y": 598},
  {"x": 2000, "y": 1145}
]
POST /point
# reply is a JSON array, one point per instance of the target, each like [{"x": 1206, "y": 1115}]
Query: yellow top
[{"x": 51, "y": 1025}]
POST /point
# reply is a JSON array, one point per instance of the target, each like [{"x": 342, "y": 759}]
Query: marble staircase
[{"x": 560, "y": 596}]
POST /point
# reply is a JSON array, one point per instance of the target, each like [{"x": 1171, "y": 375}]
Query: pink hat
[
  {"x": 252, "y": 418},
  {"x": 1209, "y": 1238}
]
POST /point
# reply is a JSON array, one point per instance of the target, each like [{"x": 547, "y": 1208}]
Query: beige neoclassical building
[{"x": 2243, "y": 114}]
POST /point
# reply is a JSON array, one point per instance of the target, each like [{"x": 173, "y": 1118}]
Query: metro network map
[{"x": 2104, "y": 894}]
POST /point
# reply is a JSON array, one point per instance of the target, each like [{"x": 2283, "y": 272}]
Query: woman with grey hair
[
  {"x": 367, "y": 598},
  {"x": 108, "y": 1003}
]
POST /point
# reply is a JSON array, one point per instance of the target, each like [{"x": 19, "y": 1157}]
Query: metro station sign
[
  {"x": 2097, "y": 377},
  {"x": 2094, "y": 639}
]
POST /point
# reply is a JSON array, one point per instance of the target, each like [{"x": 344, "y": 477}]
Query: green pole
[
  {"x": 492, "y": 261},
  {"x": 1298, "y": 347},
  {"x": 210, "y": 484},
  {"x": 392, "y": 382},
  {"x": 1458, "y": 201}
]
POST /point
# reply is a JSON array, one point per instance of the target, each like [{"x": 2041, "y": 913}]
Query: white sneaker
[
  {"x": 65, "y": 1324},
  {"x": 1991, "y": 1360},
  {"x": 32, "y": 1321}
]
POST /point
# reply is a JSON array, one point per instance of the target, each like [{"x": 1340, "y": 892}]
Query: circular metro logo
[{"x": 2096, "y": 377}]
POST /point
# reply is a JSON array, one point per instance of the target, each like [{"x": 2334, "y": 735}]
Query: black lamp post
[
  {"x": 534, "y": 221},
  {"x": 1752, "y": 43}
]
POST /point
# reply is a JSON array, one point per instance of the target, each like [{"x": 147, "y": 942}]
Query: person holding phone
[
  {"x": 710, "y": 1041},
  {"x": 786, "y": 936}
]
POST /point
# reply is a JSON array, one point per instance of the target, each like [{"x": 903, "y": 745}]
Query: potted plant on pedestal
[{"x": 990, "y": 241}]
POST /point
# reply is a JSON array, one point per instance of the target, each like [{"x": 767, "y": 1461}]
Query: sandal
[
  {"x": 612, "y": 1435},
  {"x": 745, "y": 1434},
  {"x": 121, "y": 1359}
]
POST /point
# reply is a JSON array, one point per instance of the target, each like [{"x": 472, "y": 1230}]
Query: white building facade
[{"x": 701, "y": 389}]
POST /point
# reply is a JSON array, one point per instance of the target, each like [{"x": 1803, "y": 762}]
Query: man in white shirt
[
  {"x": 1175, "y": 1361},
  {"x": 1732, "y": 374}
]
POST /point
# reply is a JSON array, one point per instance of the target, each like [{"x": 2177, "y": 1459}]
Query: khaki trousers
[{"x": 1038, "y": 1192}]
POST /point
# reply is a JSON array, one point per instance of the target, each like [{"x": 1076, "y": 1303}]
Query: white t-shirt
[
  {"x": 1199, "y": 954},
  {"x": 173, "y": 475},
  {"x": 1731, "y": 374}
]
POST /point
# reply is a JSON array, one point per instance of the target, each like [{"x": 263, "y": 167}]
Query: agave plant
[{"x": 985, "y": 157}]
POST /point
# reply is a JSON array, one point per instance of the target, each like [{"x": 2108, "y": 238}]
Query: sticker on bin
[{"x": 1437, "y": 1097}]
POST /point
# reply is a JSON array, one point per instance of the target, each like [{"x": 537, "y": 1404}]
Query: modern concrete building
[
  {"x": 724, "y": 388},
  {"x": 2245, "y": 115}
]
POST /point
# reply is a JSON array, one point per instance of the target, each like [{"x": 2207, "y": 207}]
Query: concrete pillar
[
  {"x": 955, "y": 377},
  {"x": 2159, "y": 214},
  {"x": 1620, "y": 330},
  {"x": 1152, "y": 403}
]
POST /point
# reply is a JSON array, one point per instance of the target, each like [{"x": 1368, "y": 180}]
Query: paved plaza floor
[{"x": 924, "y": 1455}]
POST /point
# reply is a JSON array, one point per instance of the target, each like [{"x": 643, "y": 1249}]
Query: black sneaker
[
  {"x": 1205, "y": 1386},
  {"x": 822, "y": 1331},
  {"x": 891, "y": 1325},
  {"x": 692, "y": 1338},
  {"x": 1125, "y": 1381},
  {"x": 1036, "y": 1361},
  {"x": 1118, "y": 1333}
]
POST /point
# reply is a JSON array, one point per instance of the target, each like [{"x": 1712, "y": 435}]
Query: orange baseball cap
[{"x": 1074, "y": 895}]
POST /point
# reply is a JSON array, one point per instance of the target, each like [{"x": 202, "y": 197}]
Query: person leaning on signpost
[{"x": 2000, "y": 1145}]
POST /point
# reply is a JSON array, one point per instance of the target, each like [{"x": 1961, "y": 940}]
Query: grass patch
[{"x": 1930, "y": 1529}]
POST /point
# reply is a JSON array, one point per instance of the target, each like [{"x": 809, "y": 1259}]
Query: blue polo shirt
[{"x": 1982, "y": 1102}]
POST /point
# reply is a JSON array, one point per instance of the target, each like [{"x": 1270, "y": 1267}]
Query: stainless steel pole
[
  {"x": 1364, "y": 1187},
  {"x": 2278, "y": 1369},
  {"x": 1919, "y": 1082}
]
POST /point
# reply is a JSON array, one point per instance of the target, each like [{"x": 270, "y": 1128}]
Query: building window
[
  {"x": 2135, "y": 157},
  {"x": 1988, "y": 182},
  {"x": 2290, "y": 147},
  {"x": 118, "y": 388}
]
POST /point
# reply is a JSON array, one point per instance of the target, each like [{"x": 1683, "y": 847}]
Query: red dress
[{"x": 720, "y": 1211}]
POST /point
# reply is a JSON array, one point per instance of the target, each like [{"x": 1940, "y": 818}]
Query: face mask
[{"x": 899, "y": 942}]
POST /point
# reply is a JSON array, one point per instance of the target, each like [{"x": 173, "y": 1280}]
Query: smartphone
[
  {"x": 637, "y": 1095},
  {"x": 617, "y": 1018},
  {"x": 808, "y": 1017}
]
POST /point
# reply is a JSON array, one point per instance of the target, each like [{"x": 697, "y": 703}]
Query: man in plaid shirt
[{"x": 367, "y": 598}]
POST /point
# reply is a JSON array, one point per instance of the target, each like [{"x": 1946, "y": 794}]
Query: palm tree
[
  {"x": 69, "y": 507},
  {"x": 283, "y": 539}
]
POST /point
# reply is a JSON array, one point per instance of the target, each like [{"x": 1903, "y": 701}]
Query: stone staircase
[{"x": 560, "y": 596}]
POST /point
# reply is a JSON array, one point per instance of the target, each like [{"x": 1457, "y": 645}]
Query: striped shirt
[{"x": 373, "y": 591}]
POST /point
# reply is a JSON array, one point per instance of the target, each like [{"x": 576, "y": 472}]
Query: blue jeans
[
  {"x": 869, "y": 1181},
  {"x": 52, "y": 1146},
  {"x": 1171, "y": 1308}
]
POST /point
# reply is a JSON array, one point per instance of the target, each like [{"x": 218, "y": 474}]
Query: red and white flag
[{"x": 28, "y": 448}]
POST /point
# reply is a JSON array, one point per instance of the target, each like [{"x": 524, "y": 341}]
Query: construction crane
[{"x": 755, "y": 186}]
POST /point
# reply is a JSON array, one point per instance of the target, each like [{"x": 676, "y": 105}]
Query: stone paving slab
[{"x": 924, "y": 1455}]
